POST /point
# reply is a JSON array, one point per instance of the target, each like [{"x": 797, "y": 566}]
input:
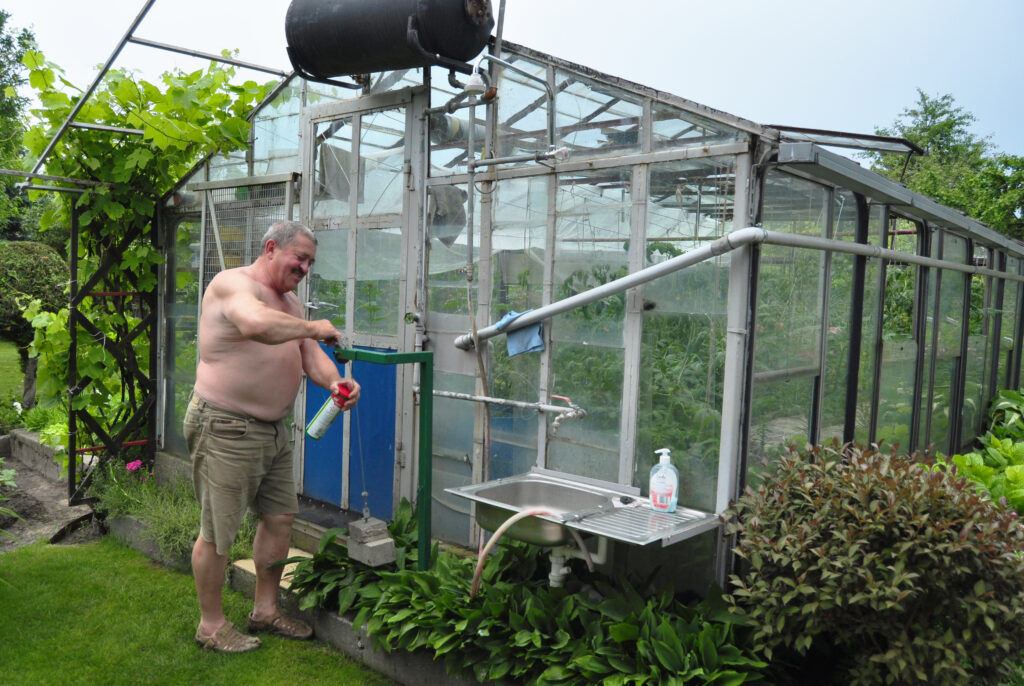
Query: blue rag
[{"x": 525, "y": 340}]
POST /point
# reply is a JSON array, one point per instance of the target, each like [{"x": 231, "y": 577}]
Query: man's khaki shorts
[{"x": 238, "y": 462}]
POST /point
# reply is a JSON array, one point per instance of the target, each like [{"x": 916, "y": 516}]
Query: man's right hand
[{"x": 323, "y": 330}]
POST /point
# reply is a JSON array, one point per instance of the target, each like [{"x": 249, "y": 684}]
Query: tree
[
  {"x": 28, "y": 271},
  {"x": 958, "y": 168},
  {"x": 999, "y": 195},
  {"x": 12, "y": 48}
]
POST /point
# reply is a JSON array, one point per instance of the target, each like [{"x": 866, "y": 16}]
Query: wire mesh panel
[{"x": 235, "y": 220}]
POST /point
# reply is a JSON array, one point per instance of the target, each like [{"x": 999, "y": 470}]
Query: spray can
[{"x": 318, "y": 426}]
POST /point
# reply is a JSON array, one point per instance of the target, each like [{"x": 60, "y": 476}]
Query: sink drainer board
[{"x": 608, "y": 510}]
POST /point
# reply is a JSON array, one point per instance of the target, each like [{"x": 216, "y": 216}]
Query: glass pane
[
  {"x": 236, "y": 219},
  {"x": 973, "y": 413},
  {"x": 379, "y": 257},
  {"x": 682, "y": 358},
  {"x": 869, "y": 328},
  {"x": 450, "y": 514},
  {"x": 448, "y": 132},
  {"x": 690, "y": 203},
  {"x": 790, "y": 297},
  {"x": 446, "y": 219},
  {"x": 385, "y": 81},
  {"x": 946, "y": 345},
  {"x": 896, "y": 391},
  {"x": 328, "y": 277},
  {"x": 275, "y": 146},
  {"x": 381, "y": 162},
  {"x": 593, "y": 228},
  {"x": 794, "y": 205},
  {"x": 517, "y": 264},
  {"x": 333, "y": 169},
  {"x": 232, "y": 165},
  {"x": 1008, "y": 326},
  {"x": 596, "y": 118},
  {"x": 837, "y": 336},
  {"x": 786, "y": 350},
  {"x": 522, "y": 108},
  {"x": 182, "y": 308},
  {"x": 676, "y": 128},
  {"x": 899, "y": 348}
]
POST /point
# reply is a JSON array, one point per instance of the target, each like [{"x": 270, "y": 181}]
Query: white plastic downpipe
[{"x": 562, "y": 554}]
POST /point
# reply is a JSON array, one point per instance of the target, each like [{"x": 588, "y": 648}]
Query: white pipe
[
  {"x": 687, "y": 259},
  {"x": 731, "y": 241},
  {"x": 522, "y": 404}
]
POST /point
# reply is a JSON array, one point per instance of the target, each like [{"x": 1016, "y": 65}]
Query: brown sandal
[
  {"x": 282, "y": 625},
  {"x": 227, "y": 640}
]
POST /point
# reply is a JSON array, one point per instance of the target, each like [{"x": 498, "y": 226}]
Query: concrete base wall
[
  {"x": 26, "y": 448},
  {"x": 134, "y": 533},
  {"x": 169, "y": 468}
]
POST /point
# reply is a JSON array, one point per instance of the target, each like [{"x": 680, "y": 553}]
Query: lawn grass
[
  {"x": 101, "y": 613},
  {"x": 10, "y": 370}
]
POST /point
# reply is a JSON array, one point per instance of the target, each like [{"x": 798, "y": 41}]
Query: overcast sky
[{"x": 849, "y": 66}]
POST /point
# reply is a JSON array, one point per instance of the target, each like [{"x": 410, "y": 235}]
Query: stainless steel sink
[{"x": 565, "y": 499}]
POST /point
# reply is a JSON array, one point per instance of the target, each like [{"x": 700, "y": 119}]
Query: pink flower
[{"x": 132, "y": 466}]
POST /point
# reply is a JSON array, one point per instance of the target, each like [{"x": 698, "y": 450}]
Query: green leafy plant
[
  {"x": 28, "y": 271},
  {"x": 997, "y": 466},
  {"x": 518, "y": 627},
  {"x": 11, "y": 413},
  {"x": 879, "y": 567},
  {"x": 51, "y": 423},
  {"x": 1006, "y": 415},
  {"x": 6, "y": 482}
]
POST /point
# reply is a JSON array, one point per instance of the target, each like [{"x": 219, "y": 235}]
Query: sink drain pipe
[{"x": 562, "y": 572}]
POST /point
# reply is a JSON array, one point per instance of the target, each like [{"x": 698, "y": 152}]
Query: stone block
[
  {"x": 367, "y": 530},
  {"x": 374, "y": 553}
]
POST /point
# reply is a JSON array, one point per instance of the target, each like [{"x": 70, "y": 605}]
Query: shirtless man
[{"x": 254, "y": 345}]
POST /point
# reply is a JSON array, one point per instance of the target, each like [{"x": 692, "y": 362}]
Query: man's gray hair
[{"x": 283, "y": 233}]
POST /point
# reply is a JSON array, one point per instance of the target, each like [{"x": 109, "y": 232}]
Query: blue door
[
  {"x": 356, "y": 204},
  {"x": 371, "y": 445}
]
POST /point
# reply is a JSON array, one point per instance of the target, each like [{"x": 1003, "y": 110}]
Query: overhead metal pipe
[
  {"x": 207, "y": 55},
  {"x": 105, "y": 127},
  {"x": 59, "y": 189},
  {"x": 727, "y": 243},
  {"x": 51, "y": 177}
]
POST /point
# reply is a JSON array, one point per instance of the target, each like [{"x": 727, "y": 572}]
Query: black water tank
[{"x": 342, "y": 37}]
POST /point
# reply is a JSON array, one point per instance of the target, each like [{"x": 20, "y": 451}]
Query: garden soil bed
[{"x": 45, "y": 516}]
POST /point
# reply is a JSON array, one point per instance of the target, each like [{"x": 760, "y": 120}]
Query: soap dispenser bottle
[{"x": 664, "y": 484}]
